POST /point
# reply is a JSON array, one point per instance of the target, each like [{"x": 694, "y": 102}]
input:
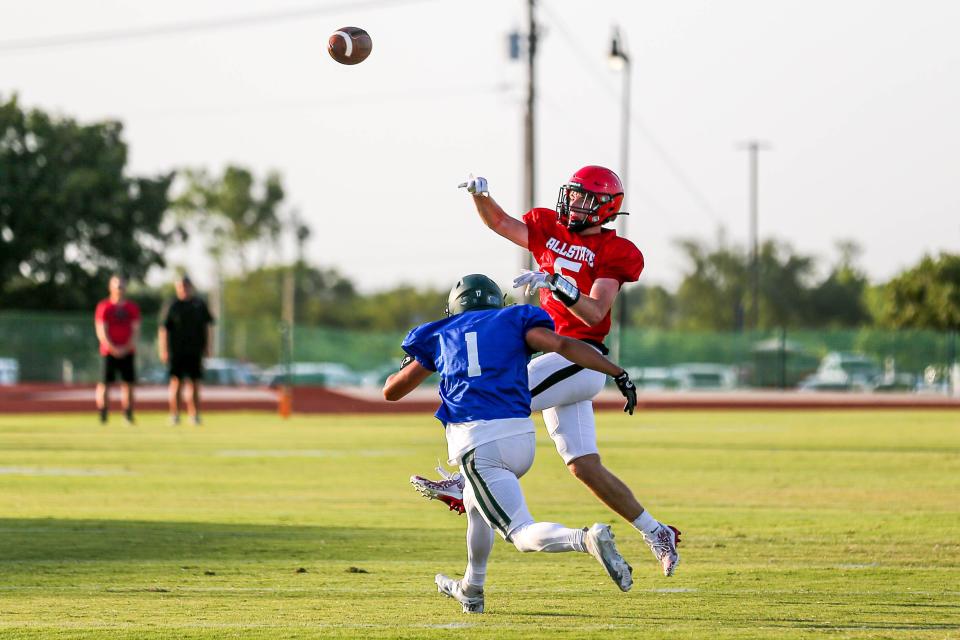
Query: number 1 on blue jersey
[{"x": 473, "y": 354}]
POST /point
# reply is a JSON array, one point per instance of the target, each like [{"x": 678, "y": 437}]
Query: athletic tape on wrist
[{"x": 564, "y": 290}]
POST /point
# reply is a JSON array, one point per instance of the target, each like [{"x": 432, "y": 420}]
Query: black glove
[{"x": 629, "y": 391}]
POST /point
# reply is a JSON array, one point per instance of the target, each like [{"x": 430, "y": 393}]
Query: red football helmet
[{"x": 595, "y": 193}]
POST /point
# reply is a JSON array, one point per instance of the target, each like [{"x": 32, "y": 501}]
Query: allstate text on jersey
[{"x": 571, "y": 251}]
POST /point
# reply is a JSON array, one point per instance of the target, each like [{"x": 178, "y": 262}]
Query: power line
[
  {"x": 192, "y": 26},
  {"x": 672, "y": 165}
]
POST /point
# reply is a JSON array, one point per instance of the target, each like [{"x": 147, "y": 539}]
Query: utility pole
[
  {"x": 529, "y": 124},
  {"x": 515, "y": 41},
  {"x": 754, "y": 147},
  {"x": 620, "y": 60}
]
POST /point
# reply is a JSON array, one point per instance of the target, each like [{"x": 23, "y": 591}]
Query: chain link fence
[{"x": 51, "y": 347}]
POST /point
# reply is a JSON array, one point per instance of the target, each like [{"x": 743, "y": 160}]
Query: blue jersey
[{"x": 482, "y": 360}]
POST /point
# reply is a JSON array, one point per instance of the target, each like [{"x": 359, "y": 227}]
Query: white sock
[
  {"x": 645, "y": 524},
  {"x": 548, "y": 537},
  {"x": 479, "y": 544}
]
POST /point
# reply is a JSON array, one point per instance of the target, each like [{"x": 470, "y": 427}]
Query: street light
[{"x": 620, "y": 61}]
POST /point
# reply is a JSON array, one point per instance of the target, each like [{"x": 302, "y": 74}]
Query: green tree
[
  {"x": 784, "y": 276},
  {"x": 650, "y": 307},
  {"x": 711, "y": 295},
  {"x": 841, "y": 299},
  {"x": 69, "y": 216},
  {"x": 232, "y": 211},
  {"x": 401, "y": 308},
  {"x": 924, "y": 297}
]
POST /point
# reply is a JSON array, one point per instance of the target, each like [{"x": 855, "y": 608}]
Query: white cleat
[
  {"x": 453, "y": 589},
  {"x": 599, "y": 541},
  {"x": 448, "y": 491},
  {"x": 664, "y": 543}
]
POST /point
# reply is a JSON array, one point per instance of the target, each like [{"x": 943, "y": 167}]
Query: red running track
[{"x": 51, "y": 398}]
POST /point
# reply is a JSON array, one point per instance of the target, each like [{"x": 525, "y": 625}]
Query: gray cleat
[
  {"x": 599, "y": 541},
  {"x": 453, "y": 589}
]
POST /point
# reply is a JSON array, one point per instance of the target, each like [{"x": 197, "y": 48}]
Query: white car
[
  {"x": 843, "y": 371},
  {"x": 9, "y": 371},
  {"x": 323, "y": 374}
]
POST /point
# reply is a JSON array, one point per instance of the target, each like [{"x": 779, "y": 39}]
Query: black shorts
[
  {"x": 186, "y": 365},
  {"x": 112, "y": 367}
]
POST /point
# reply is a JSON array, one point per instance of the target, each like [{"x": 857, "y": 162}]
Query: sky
[{"x": 857, "y": 100}]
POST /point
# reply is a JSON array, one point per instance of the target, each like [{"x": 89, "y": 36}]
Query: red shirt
[
  {"x": 117, "y": 321},
  {"x": 582, "y": 258}
]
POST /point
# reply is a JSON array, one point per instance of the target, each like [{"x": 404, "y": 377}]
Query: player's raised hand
[
  {"x": 475, "y": 185},
  {"x": 531, "y": 281},
  {"x": 629, "y": 391}
]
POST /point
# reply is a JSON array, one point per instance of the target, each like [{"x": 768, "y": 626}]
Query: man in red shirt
[
  {"x": 582, "y": 267},
  {"x": 117, "y": 321}
]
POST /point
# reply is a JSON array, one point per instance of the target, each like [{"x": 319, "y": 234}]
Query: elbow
[
  {"x": 391, "y": 394},
  {"x": 593, "y": 319}
]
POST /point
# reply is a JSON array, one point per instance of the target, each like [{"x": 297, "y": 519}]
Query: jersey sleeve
[
  {"x": 534, "y": 317},
  {"x": 420, "y": 344},
  {"x": 100, "y": 313},
  {"x": 134, "y": 311},
  {"x": 534, "y": 219},
  {"x": 207, "y": 316},
  {"x": 624, "y": 264}
]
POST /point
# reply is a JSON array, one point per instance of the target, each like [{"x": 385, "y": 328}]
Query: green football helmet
[{"x": 473, "y": 293}]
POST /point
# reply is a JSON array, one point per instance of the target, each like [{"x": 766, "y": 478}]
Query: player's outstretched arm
[
  {"x": 408, "y": 378},
  {"x": 543, "y": 339},
  {"x": 581, "y": 353},
  {"x": 493, "y": 214}
]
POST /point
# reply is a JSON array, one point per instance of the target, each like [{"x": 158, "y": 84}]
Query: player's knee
[
  {"x": 524, "y": 542},
  {"x": 585, "y": 468}
]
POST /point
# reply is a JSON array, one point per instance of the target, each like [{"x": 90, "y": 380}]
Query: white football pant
[
  {"x": 495, "y": 502},
  {"x": 564, "y": 392}
]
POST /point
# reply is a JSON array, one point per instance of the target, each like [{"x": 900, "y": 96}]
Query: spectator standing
[
  {"x": 184, "y": 339},
  {"x": 117, "y": 321}
]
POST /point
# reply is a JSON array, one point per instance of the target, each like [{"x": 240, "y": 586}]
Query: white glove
[
  {"x": 475, "y": 185},
  {"x": 531, "y": 281}
]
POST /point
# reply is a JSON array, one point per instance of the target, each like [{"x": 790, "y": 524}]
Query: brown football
[{"x": 350, "y": 45}]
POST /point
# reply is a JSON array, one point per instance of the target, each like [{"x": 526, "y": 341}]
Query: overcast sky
[{"x": 858, "y": 100}]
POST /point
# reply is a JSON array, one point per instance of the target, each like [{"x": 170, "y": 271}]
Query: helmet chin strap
[{"x": 580, "y": 225}]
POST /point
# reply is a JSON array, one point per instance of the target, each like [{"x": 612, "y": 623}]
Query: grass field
[{"x": 795, "y": 525}]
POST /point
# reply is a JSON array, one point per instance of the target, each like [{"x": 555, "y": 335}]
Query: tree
[
  {"x": 784, "y": 276},
  {"x": 924, "y": 297},
  {"x": 232, "y": 211},
  {"x": 650, "y": 306},
  {"x": 840, "y": 300},
  {"x": 710, "y": 297},
  {"x": 69, "y": 216}
]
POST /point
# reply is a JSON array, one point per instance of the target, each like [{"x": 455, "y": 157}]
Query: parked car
[
  {"x": 844, "y": 371},
  {"x": 704, "y": 375},
  {"x": 9, "y": 371},
  {"x": 653, "y": 378},
  {"x": 216, "y": 372},
  {"x": 324, "y": 374},
  {"x": 225, "y": 371}
]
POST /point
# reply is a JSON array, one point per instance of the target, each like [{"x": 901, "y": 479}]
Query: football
[{"x": 350, "y": 45}]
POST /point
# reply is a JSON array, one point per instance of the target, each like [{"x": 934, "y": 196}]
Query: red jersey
[
  {"x": 583, "y": 259},
  {"x": 117, "y": 321}
]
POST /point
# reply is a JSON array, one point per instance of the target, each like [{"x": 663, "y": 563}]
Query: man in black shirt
[{"x": 185, "y": 336}]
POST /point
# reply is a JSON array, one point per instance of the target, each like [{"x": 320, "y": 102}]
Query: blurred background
[{"x": 790, "y": 167}]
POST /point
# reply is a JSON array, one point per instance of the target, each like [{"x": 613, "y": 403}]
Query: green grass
[{"x": 795, "y": 525}]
